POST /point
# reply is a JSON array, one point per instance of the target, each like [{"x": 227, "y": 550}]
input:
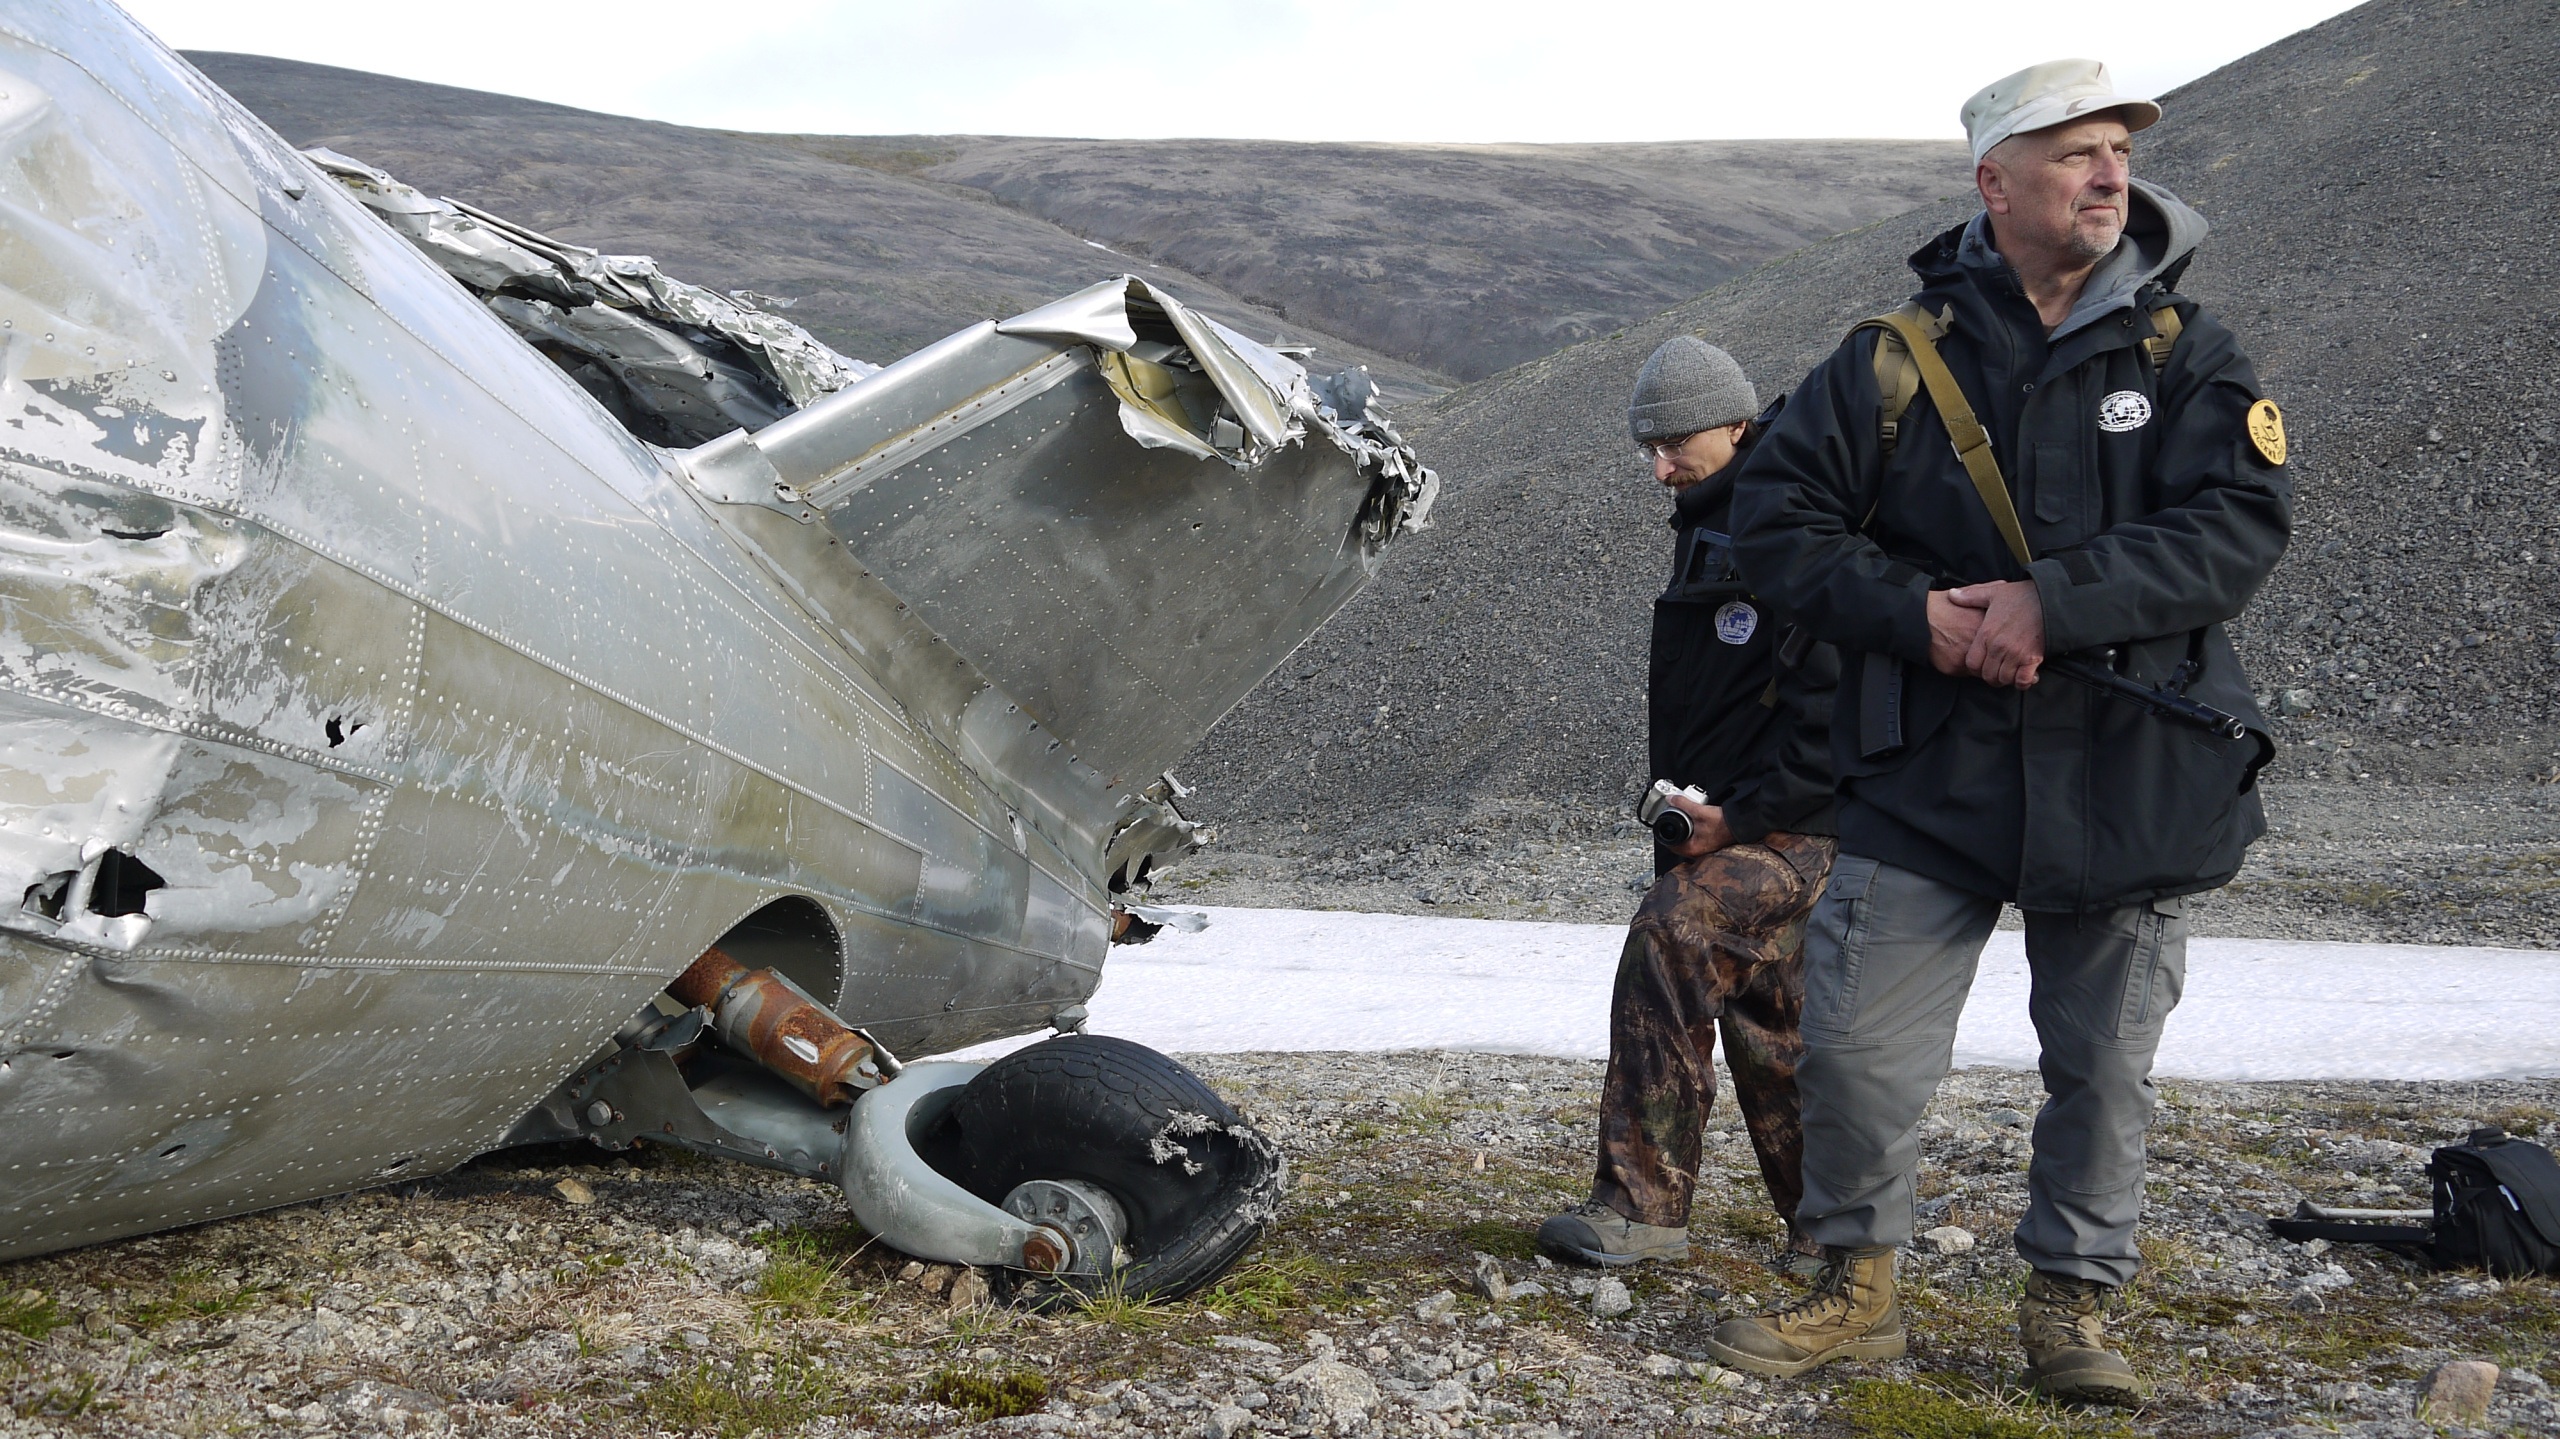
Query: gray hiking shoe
[
  {"x": 2063, "y": 1327},
  {"x": 1593, "y": 1233}
]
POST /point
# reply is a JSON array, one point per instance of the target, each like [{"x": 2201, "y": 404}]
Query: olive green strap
[
  {"x": 2165, "y": 327},
  {"x": 1972, "y": 442}
]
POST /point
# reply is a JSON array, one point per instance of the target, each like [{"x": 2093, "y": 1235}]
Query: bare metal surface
[
  {"x": 909, "y": 1205},
  {"x": 382, "y": 722}
]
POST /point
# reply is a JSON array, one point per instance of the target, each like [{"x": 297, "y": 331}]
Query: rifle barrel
[{"x": 2165, "y": 702}]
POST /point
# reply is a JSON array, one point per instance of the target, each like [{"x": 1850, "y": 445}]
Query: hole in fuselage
[
  {"x": 45, "y": 896},
  {"x": 122, "y": 883},
  {"x": 795, "y": 936},
  {"x": 173, "y": 1151},
  {"x": 134, "y": 534}
]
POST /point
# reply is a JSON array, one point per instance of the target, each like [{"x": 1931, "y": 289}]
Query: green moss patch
[
  {"x": 1959, "y": 1409},
  {"x": 986, "y": 1396}
]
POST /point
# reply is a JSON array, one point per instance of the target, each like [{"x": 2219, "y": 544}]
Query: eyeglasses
[{"x": 1666, "y": 449}]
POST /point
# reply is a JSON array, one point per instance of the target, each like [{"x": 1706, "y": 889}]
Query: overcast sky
[{"x": 1409, "y": 70}]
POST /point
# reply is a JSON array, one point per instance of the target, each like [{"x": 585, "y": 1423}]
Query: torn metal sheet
[
  {"x": 676, "y": 361},
  {"x": 384, "y": 722}
]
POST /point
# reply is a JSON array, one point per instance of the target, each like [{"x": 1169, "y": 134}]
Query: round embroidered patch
[
  {"x": 2124, "y": 410},
  {"x": 2266, "y": 431},
  {"x": 1736, "y": 622}
]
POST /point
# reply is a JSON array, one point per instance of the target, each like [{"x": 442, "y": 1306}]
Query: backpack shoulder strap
[
  {"x": 1897, "y": 374},
  {"x": 1919, "y": 330},
  {"x": 2165, "y": 329}
]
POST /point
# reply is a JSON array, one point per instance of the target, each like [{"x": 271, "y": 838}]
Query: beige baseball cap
[{"x": 2053, "y": 93}]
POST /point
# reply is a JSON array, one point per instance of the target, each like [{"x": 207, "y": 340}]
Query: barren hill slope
[
  {"x": 2381, "y": 198},
  {"x": 1425, "y": 262},
  {"x": 880, "y": 261},
  {"x": 1466, "y": 258}
]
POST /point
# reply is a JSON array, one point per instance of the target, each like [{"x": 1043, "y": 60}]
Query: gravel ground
[
  {"x": 2369, "y": 859},
  {"x": 2389, "y": 274},
  {"x": 561, "y": 1291}
]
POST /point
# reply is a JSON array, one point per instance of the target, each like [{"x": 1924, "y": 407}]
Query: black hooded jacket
[
  {"x": 2153, "y": 519},
  {"x": 1714, "y": 721}
]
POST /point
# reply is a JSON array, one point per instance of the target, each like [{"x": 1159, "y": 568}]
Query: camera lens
[{"x": 1672, "y": 827}]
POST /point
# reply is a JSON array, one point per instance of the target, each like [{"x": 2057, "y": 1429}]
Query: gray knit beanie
[{"x": 1688, "y": 386}]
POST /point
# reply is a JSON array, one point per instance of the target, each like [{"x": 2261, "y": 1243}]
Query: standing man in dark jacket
[
  {"x": 1719, "y": 939},
  {"x": 2143, "y": 475}
]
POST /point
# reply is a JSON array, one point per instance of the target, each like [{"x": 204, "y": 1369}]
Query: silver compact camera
[{"x": 1655, "y": 811}]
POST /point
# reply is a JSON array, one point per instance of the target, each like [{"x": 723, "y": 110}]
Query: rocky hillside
[
  {"x": 1431, "y": 264},
  {"x": 1466, "y": 258},
  {"x": 2380, "y": 210}
]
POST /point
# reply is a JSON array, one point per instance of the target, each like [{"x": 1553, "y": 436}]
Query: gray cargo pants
[{"x": 1889, "y": 958}]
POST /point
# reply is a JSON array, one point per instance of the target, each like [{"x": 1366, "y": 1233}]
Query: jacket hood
[{"x": 2161, "y": 233}]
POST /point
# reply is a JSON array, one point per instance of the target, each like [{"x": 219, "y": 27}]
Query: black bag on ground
[{"x": 2497, "y": 1208}]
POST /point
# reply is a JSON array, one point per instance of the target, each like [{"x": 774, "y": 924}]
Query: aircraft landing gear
[{"x": 1086, "y": 1130}]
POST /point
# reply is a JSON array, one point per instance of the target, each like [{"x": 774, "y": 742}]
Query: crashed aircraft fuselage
[{"x": 382, "y": 723}]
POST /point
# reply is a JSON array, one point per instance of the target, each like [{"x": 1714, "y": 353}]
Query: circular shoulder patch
[
  {"x": 2124, "y": 410},
  {"x": 2266, "y": 431},
  {"x": 1736, "y": 622}
]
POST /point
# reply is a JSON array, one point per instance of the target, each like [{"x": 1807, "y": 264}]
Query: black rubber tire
[{"x": 1196, "y": 1183}]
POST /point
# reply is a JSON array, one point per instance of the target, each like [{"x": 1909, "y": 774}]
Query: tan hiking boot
[
  {"x": 2062, "y": 1323},
  {"x": 1850, "y": 1314}
]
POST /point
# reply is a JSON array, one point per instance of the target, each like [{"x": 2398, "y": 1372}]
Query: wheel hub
[{"x": 1087, "y": 1222}]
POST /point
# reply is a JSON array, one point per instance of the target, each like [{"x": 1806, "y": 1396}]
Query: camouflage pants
[{"x": 1719, "y": 941}]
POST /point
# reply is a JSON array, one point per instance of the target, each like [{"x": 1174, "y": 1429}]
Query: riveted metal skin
[{"x": 382, "y": 724}]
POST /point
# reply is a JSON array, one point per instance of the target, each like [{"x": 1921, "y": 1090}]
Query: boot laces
[
  {"x": 1829, "y": 1288},
  {"x": 2066, "y": 1321}
]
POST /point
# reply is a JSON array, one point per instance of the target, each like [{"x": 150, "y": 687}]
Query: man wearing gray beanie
[{"x": 1739, "y": 713}]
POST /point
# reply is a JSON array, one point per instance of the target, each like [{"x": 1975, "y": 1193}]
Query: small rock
[
  {"x": 936, "y": 1280},
  {"x": 1423, "y": 1368},
  {"x": 1487, "y": 1279},
  {"x": 1336, "y": 1391},
  {"x": 1949, "y": 1239},
  {"x": 1446, "y": 1397},
  {"x": 1609, "y": 1299},
  {"x": 573, "y": 1192},
  {"x": 1730, "y": 1379},
  {"x": 2290, "y": 703},
  {"x": 913, "y": 1272},
  {"x": 968, "y": 1290},
  {"x": 2459, "y": 1390},
  {"x": 2006, "y": 1119},
  {"x": 1253, "y": 1399},
  {"x": 1660, "y": 1366},
  {"x": 371, "y": 1398},
  {"x": 319, "y": 1334},
  {"x": 1438, "y": 1306},
  {"x": 1247, "y": 1343},
  {"x": 1225, "y": 1422},
  {"x": 1528, "y": 1289},
  {"x": 2315, "y": 1248},
  {"x": 694, "y": 1338}
]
